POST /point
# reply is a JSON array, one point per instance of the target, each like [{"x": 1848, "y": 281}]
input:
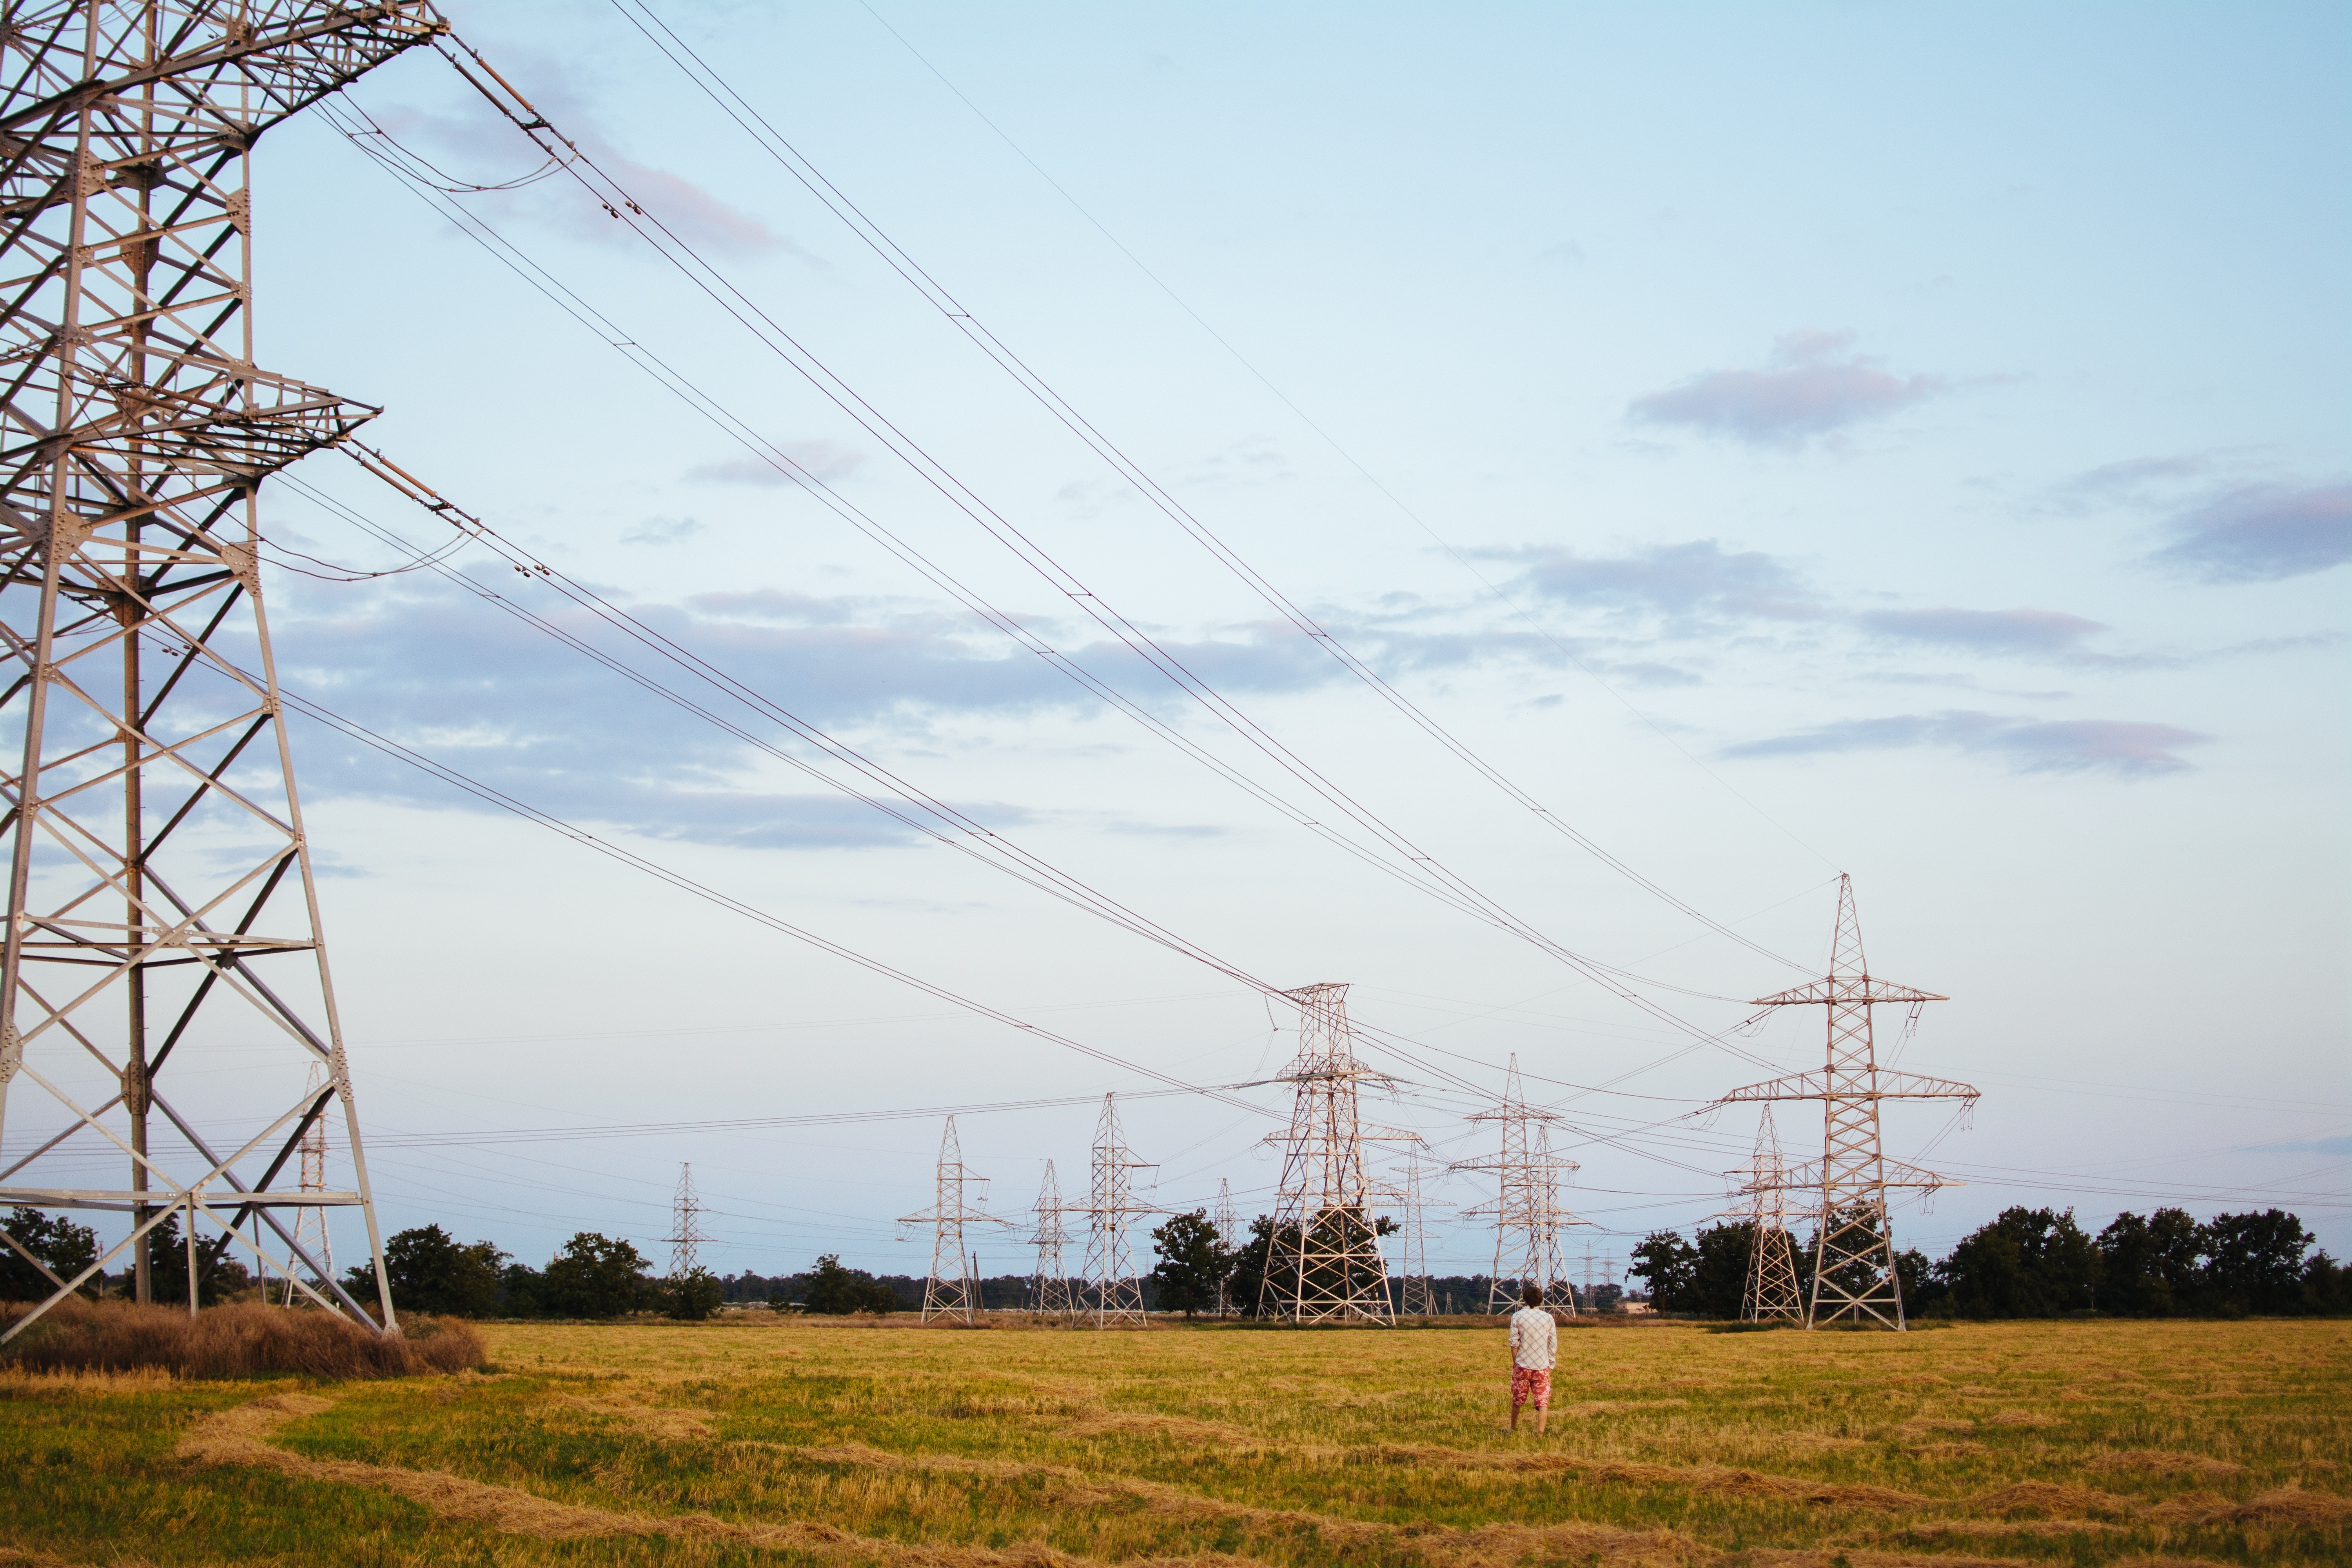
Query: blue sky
[{"x": 1903, "y": 441}]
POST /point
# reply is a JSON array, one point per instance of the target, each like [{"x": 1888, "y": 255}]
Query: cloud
[
  {"x": 660, "y": 531},
  {"x": 1686, "y": 581},
  {"x": 2129, "y": 749},
  {"x": 2339, "y": 1144},
  {"x": 1812, "y": 386},
  {"x": 2262, "y": 534},
  {"x": 2043, "y": 632},
  {"x": 825, "y": 461}
]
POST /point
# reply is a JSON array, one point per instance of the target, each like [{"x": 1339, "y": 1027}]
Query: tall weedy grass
[{"x": 241, "y": 1340}]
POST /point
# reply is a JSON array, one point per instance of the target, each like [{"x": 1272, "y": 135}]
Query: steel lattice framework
[
  {"x": 1417, "y": 1297},
  {"x": 1854, "y": 1251},
  {"x": 1527, "y": 1210},
  {"x": 1050, "y": 1291},
  {"x": 1111, "y": 1209},
  {"x": 1772, "y": 1289},
  {"x": 1325, "y": 1264},
  {"x": 159, "y": 889},
  {"x": 951, "y": 1290}
]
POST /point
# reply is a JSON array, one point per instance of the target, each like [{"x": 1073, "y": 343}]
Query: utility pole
[
  {"x": 1228, "y": 1224},
  {"x": 951, "y": 1288},
  {"x": 1051, "y": 1292},
  {"x": 1326, "y": 1264},
  {"x": 1527, "y": 1214},
  {"x": 157, "y": 859},
  {"x": 686, "y": 1237},
  {"x": 1111, "y": 1261},
  {"x": 1854, "y": 1256}
]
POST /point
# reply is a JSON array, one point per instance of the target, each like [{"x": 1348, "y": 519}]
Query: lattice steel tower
[
  {"x": 1527, "y": 1210},
  {"x": 1854, "y": 1254},
  {"x": 951, "y": 1290},
  {"x": 1772, "y": 1289},
  {"x": 1326, "y": 1264},
  {"x": 157, "y": 861},
  {"x": 1113, "y": 1206},
  {"x": 686, "y": 1237},
  {"x": 1051, "y": 1289}
]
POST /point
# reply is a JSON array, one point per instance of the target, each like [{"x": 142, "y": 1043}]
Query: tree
[
  {"x": 218, "y": 1275},
  {"x": 594, "y": 1276},
  {"x": 1669, "y": 1266},
  {"x": 63, "y": 1248},
  {"x": 431, "y": 1272},
  {"x": 2028, "y": 1263},
  {"x": 837, "y": 1292},
  {"x": 2151, "y": 1267},
  {"x": 1192, "y": 1263},
  {"x": 2254, "y": 1261},
  {"x": 694, "y": 1298}
]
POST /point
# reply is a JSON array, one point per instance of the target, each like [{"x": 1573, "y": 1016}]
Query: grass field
[{"x": 846, "y": 1441}]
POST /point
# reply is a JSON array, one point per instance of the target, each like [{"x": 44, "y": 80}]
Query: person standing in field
[{"x": 1534, "y": 1345}]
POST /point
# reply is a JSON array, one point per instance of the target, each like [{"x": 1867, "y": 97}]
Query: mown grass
[{"x": 2087, "y": 1443}]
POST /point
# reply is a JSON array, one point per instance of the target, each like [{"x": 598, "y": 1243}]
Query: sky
[{"x": 1907, "y": 442}]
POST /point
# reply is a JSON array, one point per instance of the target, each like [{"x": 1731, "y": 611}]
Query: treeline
[{"x": 2040, "y": 1263}]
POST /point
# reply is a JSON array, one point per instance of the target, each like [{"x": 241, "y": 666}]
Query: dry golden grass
[{"x": 761, "y": 1441}]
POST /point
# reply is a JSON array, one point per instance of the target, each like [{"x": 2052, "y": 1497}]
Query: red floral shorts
[{"x": 1531, "y": 1382}]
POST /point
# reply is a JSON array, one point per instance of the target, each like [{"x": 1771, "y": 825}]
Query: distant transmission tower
[
  {"x": 310, "y": 1236},
  {"x": 1326, "y": 1264},
  {"x": 1772, "y": 1289},
  {"x": 1050, "y": 1292},
  {"x": 1418, "y": 1302},
  {"x": 686, "y": 1237},
  {"x": 951, "y": 1288},
  {"x": 1528, "y": 1212},
  {"x": 1110, "y": 1261},
  {"x": 157, "y": 857},
  {"x": 1854, "y": 1256},
  {"x": 1229, "y": 1225}
]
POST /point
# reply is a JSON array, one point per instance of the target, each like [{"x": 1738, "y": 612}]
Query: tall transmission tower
[
  {"x": 1853, "y": 1255},
  {"x": 951, "y": 1288},
  {"x": 1326, "y": 1264},
  {"x": 1419, "y": 1299},
  {"x": 1051, "y": 1292},
  {"x": 686, "y": 1237},
  {"x": 310, "y": 1234},
  {"x": 1528, "y": 1212},
  {"x": 1111, "y": 1209},
  {"x": 1229, "y": 1225},
  {"x": 157, "y": 861},
  {"x": 1772, "y": 1289}
]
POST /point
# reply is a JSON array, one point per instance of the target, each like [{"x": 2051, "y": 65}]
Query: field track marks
[{"x": 238, "y": 1436}]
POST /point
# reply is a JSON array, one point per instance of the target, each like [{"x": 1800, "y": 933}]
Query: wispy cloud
[
  {"x": 2261, "y": 533},
  {"x": 2131, "y": 750},
  {"x": 1695, "y": 579},
  {"x": 1813, "y": 384},
  {"x": 823, "y": 460}
]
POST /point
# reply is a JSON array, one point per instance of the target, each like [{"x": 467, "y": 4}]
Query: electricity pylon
[
  {"x": 310, "y": 1234},
  {"x": 1325, "y": 1264},
  {"x": 951, "y": 1290},
  {"x": 686, "y": 1237},
  {"x": 1229, "y": 1225},
  {"x": 152, "y": 819},
  {"x": 1050, "y": 1291},
  {"x": 1110, "y": 1261},
  {"x": 1527, "y": 1210},
  {"x": 1418, "y": 1299},
  {"x": 1854, "y": 1253},
  {"x": 1772, "y": 1290}
]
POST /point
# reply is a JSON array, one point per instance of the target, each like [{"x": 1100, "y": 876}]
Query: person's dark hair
[{"x": 1532, "y": 1295}]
